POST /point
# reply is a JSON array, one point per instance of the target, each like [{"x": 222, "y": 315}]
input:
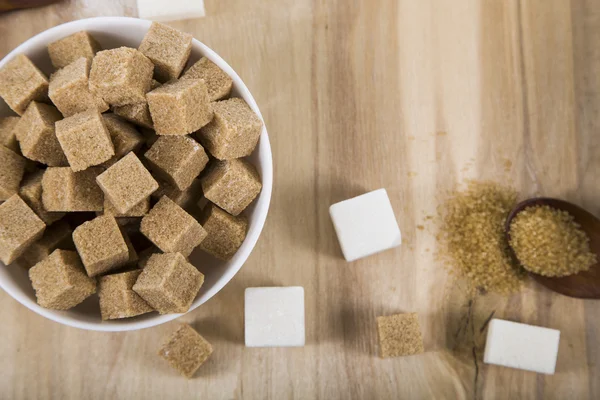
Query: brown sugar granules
[
  {"x": 472, "y": 240},
  {"x": 549, "y": 242},
  {"x": 399, "y": 335}
]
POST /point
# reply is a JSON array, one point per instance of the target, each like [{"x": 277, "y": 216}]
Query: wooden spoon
[{"x": 584, "y": 285}]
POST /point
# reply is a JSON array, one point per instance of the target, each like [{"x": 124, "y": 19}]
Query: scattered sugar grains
[
  {"x": 472, "y": 241},
  {"x": 549, "y": 242}
]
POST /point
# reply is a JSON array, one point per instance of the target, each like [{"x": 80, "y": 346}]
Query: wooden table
[{"x": 414, "y": 96}]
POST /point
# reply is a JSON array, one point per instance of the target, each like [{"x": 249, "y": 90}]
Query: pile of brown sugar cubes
[{"x": 103, "y": 168}]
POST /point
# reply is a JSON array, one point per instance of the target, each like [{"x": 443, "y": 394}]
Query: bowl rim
[{"x": 262, "y": 203}]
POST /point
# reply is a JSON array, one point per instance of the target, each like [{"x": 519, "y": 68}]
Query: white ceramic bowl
[{"x": 114, "y": 32}]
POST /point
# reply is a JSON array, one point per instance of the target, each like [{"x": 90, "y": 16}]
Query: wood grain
[{"x": 413, "y": 96}]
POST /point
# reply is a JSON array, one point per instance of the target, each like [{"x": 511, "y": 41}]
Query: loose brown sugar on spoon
[
  {"x": 472, "y": 241},
  {"x": 549, "y": 242}
]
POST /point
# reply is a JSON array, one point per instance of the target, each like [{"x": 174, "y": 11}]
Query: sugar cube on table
[
  {"x": 185, "y": 350},
  {"x": 365, "y": 225},
  {"x": 399, "y": 335},
  {"x": 158, "y": 10},
  {"x": 274, "y": 317},
  {"x": 522, "y": 346}
]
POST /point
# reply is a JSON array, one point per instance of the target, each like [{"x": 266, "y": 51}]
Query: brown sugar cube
[
  {"x": 85, "y": 140},
  {"x": 180, "y": 107},
  {"x": 169, "y": 50},
  {"x": 37, "y": 137},
  {"x": 31, "y": 193},
  {"x": 399, "y": 335},
  {"x": 60, "y": 282},
  {"x": 169, "y": 283},
  {"x": 233, "y": 132},
  {"x": 185, "y": 350},
  {"x": 139, "y": 210},
  {"x": 69, "y": 90},
  {"x": 19, "y": 228},
  {"x": 8, "y": 138},
  {"x": 66, "y": 191},
  {"x": 145, "y": 255},
  {"x": 125, "y": 137},
  {"x": 66, "y": 50},
  {"x": 186, "y": 199},
  {"x": 177, "y": 159},
  {"x": 127, "y": 183},
  {"x": 21, "y": 82},
  {"x": 218, "y": 83},
  {"x": 56, "y": 236},
  {"x": 12, "y": 167},
  {"x": 225, "y": 233},
  {"x": 121, "y": 76},
  {"x": 117, "y": 299},
  {"x": 172, "y": 229},
  {"x": 101, "y": 245},
  {"x": 138, "y": 113},
  {"x": 232, "y": 185}
]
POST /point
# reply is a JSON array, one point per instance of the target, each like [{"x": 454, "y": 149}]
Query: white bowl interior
[{"x": 115, "y": 32}]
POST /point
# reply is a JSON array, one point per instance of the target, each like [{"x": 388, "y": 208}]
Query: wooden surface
[{"x": 413, "y": 96}]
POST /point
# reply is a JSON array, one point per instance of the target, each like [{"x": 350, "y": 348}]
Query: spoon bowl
[{"x": 585, "y": 284}]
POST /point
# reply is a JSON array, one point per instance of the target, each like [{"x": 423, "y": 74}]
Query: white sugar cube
[
  {"x": 170, "y": 10},
  {"x": 274, "y": 316},
  {"x": 365, "y": 225},
  {"x": 522, "y": 346}
]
